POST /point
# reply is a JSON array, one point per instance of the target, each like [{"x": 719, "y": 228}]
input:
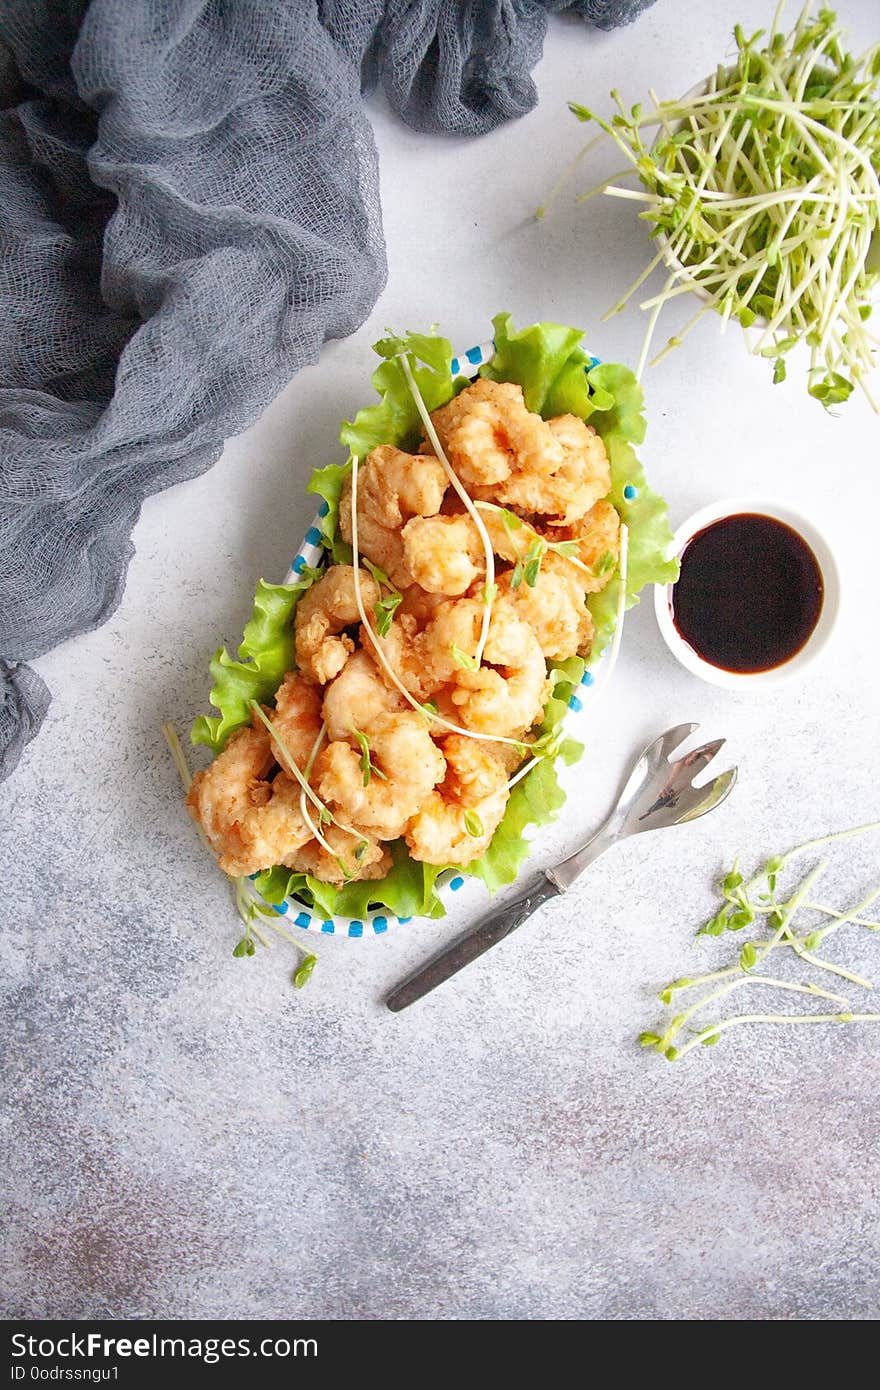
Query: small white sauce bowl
[{"x": 818, "y": 639}]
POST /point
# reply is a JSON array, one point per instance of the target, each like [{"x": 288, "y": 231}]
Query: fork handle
[{"x": 480, "y": 938}]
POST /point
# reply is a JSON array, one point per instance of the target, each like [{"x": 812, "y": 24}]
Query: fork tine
[
  {"x": 701, "y": 757},
  {"x": 711, "y": 795},
  {"x": 667, "y": 743}
]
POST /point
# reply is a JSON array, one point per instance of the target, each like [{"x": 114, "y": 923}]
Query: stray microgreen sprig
[
  {"x": 755, "y": 902},
  {"x": 252, "y": 909}
]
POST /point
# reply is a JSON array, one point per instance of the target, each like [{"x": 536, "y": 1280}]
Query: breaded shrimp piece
[
  {"x": 419, "y": 605},
  {"x": 488, "y": 434},
  {"x": 597, "y": 534},
  {"x": 475, "y": 783},
  {"x": 357, "y": 697},
  {"x": 444, "y": 554},
  {"x": 508, "y": 541},
  {"x": 297, "y": 717},
  {"x": 354, "y": 857},
  {"x": 409, "y": 765},
  {"x": 393, "y": 487},
  {"x": 586, "y": 468},
  {"x": 251, "y": 823},
  {"x": 505, "y": 701},
  {"x": 598, "y": 538},
  {"x": 455, "y": 626},
  {"x": 554, "y": 607},
  {"x": 323, "y": 612},
  {"x": 400, "y": 648},
  {"x": 582, "y": 476}
]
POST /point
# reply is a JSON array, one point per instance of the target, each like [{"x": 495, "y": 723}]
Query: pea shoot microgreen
[
  {"x": 753, "y": 902},
  {"x": 257, "y": 915},
  {"x": 528, "y": 566},
  {"x": 302, "y": 976},
  {"x": 463, "y": 659},
  {"x": 384, "y": 609},
  {"x": 368, "y": 767},
  {"x": 387, "y": 604},
  {"x": 763, "y": 186}
]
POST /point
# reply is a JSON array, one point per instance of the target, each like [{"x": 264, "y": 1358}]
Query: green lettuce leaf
[
  {"x": 265, "y": 655},
  {"x": 622, "y": 426},
  {"x": 327, "y": 483},
  {"x": 407, "y": 890}
]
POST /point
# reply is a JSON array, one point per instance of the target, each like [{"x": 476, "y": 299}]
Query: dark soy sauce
[{"x": 749, "y": 595}]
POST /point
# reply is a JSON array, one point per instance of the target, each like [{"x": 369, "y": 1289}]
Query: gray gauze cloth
[{"x": 189, "y": 207}]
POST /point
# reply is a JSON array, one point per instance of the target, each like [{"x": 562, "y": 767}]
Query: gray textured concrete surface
[{"x": 186, "y": 1135}]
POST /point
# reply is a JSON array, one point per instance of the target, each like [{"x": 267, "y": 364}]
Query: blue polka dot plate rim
[{"x": 311, "y": 553}]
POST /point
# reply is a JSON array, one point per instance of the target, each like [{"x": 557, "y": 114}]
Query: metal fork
[{"x": 657, "y": 793}]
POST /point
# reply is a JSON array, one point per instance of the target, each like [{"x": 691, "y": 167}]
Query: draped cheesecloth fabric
[{"x": 189, "y": 207}]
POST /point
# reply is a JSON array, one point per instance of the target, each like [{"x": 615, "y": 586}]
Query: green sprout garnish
[
  {"x": 528, "y": 567},
  {"x": 386, "y": 604},
  {"x": 302, "y": 976},
  {"x": 754, "y": 902},
  {"x": 473, "y": 825},
  {"x": 463, "y": 659},
  {"x": 763, "y": 187},
  {"x": 384, "y": 609},
  {"x": 257, "y": 915},
  {"x": 368, "y": 767}
]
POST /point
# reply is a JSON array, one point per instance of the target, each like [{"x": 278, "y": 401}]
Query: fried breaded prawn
[
  {"x": 597, "y": 539},
  {"x": 505, "y": 453},
  {"x": 251, "y": 823},
  {"x": 554, "y": 607},
  {"x": 405, "y": 765},
  {"x": 444, "y": 554},
  {"x": 457, "y": 821},
  {"x": 393, "y": 487},
  {"x": 358, "y": 696},
  {"x": 562, "y": 497},
  {"x": 324, "y": 611},
  {"x": 350, "y": 859},
  {"x": 506, "y": 695},
  {"x": 488, "y": 434},
  {"x": 297, "y": 717}
]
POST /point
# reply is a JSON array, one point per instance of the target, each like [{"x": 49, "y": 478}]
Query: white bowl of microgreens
[{"x": 761, "y": 188}]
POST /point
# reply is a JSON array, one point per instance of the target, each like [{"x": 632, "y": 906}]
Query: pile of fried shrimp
[{"x": 421, "y": 670}]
